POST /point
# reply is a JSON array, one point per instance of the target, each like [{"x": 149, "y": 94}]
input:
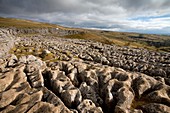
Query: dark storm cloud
[
  {"x": 89, "y": 13},
  {"x": 38, "y": 6},
  {"x": 78, "y": 6}
]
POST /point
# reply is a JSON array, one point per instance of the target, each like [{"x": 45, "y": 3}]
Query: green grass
[
  {"x": 23, "y": 51},
  {"x": 167, "y": 49},
  {"x": 19, "y": 23},
  {"x": 90, "y": 36}
]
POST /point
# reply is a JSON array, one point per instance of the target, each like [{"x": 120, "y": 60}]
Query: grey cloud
[
  {"x": 84, "y": 13},
  {"x": 166, "y": 3},
  {"x": 77, "y": 6},
  {"x": 38, "y": 6}
]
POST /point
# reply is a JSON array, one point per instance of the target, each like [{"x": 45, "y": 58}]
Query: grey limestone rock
[{"x": 83, "y": 76}]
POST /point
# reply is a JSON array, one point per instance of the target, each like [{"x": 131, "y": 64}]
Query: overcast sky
[{"x": 148, "y": 16}]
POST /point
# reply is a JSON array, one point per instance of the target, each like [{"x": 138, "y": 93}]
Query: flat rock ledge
[{"x": 31, "y": 85}]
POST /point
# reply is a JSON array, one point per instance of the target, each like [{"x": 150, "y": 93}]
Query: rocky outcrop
[
  {"x": 42, "y": 31},
  {"x": 7, "y": 41},
  {"x": 31, "y": 85}
]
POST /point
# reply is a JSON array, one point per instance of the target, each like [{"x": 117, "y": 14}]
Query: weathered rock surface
[
  {"x": 82, "y": 76},
  {"x": 156, "y": 108},
  {"x": 7, "y": 41},
  {"x": 78, "y": 86},
  {"x": 88, "y": 106}
]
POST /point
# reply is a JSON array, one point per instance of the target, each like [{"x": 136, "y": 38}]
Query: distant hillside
[
  {"x": 20, "y": 23},
  {"x": 148, "y": 41}
]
